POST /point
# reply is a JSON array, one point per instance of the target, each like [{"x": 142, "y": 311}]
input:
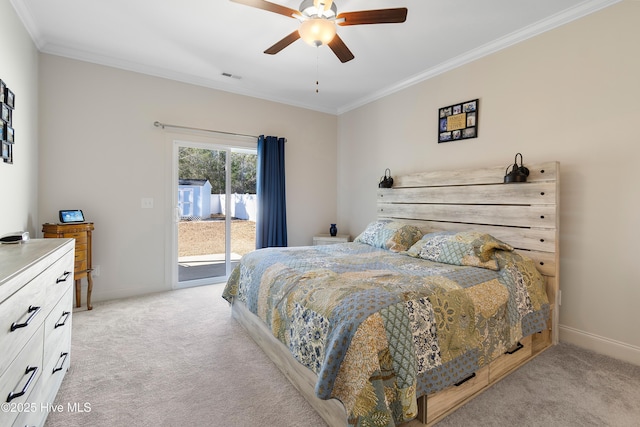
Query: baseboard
[
  {"x": 608, "y": 347},
  {"x": 108, "y": 294}
]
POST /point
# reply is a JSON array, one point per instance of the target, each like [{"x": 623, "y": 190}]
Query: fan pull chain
[{"x": 317, "y": 69}]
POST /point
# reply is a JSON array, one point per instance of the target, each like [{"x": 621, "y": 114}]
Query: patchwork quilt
[{"x": 381, "y": 328}]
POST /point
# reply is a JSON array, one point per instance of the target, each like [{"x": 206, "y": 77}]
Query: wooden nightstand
[
  {"x": 82, "y": 233},
  {"x": 328, "y": 239}
]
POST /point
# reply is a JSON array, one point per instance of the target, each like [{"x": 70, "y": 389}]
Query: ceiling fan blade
[
  {"x": 283, "y": 43},
  {"x": 340, "y": 49},
  {"x": 379, "y": 16},
  {"x": 271, "y": 7}
]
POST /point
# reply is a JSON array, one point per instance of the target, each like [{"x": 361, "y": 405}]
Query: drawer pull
[
  {"x": 63, "y": 356},
  {"x": 64, "y": 277},
  {"x": 462, "y": 381},
  {"x": 33, "y": 310},
  {"x": 34, "y": 371},
  {"x": 65, "y": 314},
  {"x": 517, "y": 347}
]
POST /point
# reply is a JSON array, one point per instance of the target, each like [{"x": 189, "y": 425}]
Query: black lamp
[
  {"x": 386, "y": 181},
  {"x": 517, "y": 173}
]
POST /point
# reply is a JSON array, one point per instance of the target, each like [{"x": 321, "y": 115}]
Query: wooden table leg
[
  {"x": 89, "y": 289},
  {"x": 78, "y": 293}
]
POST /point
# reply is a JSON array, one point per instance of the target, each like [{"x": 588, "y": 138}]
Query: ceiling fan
[{"x": 318, "y": 20}]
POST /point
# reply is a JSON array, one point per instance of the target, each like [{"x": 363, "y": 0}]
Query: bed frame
[{"x": 525, "y": 215}]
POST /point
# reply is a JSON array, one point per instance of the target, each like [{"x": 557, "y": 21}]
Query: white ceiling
[{"x": 195, "y": 41}]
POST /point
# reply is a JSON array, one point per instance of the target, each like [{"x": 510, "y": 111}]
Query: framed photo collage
[
  {"x": 7, "y": 134},
  {"x": 458, "y": 121}
]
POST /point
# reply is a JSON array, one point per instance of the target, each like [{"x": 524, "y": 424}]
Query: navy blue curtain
[{"x": 271, "y": 222}]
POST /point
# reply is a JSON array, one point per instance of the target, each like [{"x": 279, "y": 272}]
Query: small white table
[{"x": 328, "y": 239}]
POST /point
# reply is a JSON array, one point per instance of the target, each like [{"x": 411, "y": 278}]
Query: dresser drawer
[
  {"x": 81, "y": 250},
  {"x": 24, "y": 262},
  {"x": 58, "y": 331},
  {"x": 33, "y": 414},
  {"x": 81, "y": 237},
  {"x": 20, "y": 316},
  {"x": 57, "y": 279},
  {"x": 21, "y": 376},
  {"x": 44, "y": 392}
]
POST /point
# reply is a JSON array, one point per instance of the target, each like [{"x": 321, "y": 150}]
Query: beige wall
[
  {"x": 100, "y": 152},
  {"x": 572, "y": 95},
  {"x": 19, "y": 182}
]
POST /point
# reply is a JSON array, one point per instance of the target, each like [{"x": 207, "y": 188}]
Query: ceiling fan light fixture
[{"x": 317, "y": 31}]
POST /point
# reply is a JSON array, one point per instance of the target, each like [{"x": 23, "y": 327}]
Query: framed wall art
[
  {"x": 7, "y": 133},
  {"x": 6, "y": 117},
  {"x": 9, "y": 98},
  {"x": 458, "y": 121},
  {"x": 7, "y": 152}
]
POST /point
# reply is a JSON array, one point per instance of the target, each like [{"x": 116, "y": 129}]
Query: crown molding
[{"x": 557, "y": 20}]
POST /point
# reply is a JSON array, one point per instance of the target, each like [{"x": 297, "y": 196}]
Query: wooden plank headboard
[{"x": 525, "y": 215}]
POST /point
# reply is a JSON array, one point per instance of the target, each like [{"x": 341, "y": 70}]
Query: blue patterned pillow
[
  {"x": 390, "y": 235},
  {"x": 467, "y": 248}
]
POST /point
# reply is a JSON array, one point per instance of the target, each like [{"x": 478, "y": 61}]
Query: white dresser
[{"x": 36, "y": 299}]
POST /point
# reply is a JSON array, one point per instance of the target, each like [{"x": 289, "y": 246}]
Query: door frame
[{"x": 197, "y": 140}]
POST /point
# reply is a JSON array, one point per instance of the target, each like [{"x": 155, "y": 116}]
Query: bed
[{"x": 451, "y": 288}]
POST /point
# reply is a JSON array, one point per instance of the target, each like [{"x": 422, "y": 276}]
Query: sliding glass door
[{"x": 214, "y": 210}]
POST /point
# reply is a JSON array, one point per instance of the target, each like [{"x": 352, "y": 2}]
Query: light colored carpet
[
  {"x": 173, "y": 359},
  {"x": 178, "y": 358}
]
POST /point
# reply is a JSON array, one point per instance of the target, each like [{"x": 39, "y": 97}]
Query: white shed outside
[{"x": 194, "y": 199}]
